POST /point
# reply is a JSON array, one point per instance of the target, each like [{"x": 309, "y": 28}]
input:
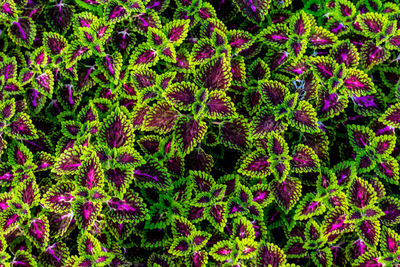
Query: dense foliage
[{"x": 199, "y": 133}]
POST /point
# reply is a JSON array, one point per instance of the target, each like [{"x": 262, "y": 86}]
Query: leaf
[
  {"x": 88, "y": 244},
  {"x": 115, "y": 12},
  {"x": 188, "y": 133},
  {"x": 8, "y": 11},
  {"x": 23, "y": 258},
  {"x": 286, "y": 193},
  {"x": 115, "y": 130},
  {"x": 161, "y": 118},
  {"x": 215, "y": 74},
  {"x": 391, "y": 207},
  {"x": 388, "y": 169},
  {"x": 128, "y": 157},
  {"x": 54, "y": 43},
  {"x": 391, "y": 117},
  {"x": 182, "y": 227},
  {"x": 254, "y": 11},
  {"x": 369, "y": 231},
  {"x": 295, "y": 248},
  {"x": 300, "y": 24},
  {"x": 259, "y": 70},
  {"x": 176, "y": 31},
  {"x": 217, "y": 215},
  {"x": 235, "y": 133},
  {"x": 276, "y": 35},
  {"x": 345, "y": 52},
  {"x": 358, "y": 83},
  {"x": 371, "y": 23},
  {"x": 44, "y": 83},
  {"x": 202, "y": 51},
  {"x": 384, "y": 144},
  {"x": 59, "y": 197},
  {"x": 277, "y": 145},
  {"x": 182, "y": 95},
  {"x": 143, "y": 57},
  {"x": 345, "y": 9},
  {"x": 264, "y": 123},
  {"x": 28, "y": 192},
  {"x": 85, "y": 213},
  {"x": 130, "y": 208},
  {"x": 70, "y": 160},
  {"x": 60, "y": 17},
  {"x": 22, "y": 31},
  {"x": 21, "y": 127},
  {"x": 90, "y": 174},
  {"x": 76, "y": 51},
  {"x": 361, "y": 194},
  {"x": 273, "y": 92},
  {"x": 38, "y": 232},
  {"x": 111, "y": 65},
  {"x": 239, "y": 40},
  {"x": 321, "y": 38},
  {"x": 335, "y": 222},
  {"x": 118, "y": 179},
  {"x": 372, "y": 55},
  {"x": 243, "y": 229},
  {"x": 120, "y": 231},
  {"x": 180, "y": 247},
  {"x": 309, "y": 207},
  {"x": 390, "y": 240},
  {"x": 219, "y": 106},
  {"x": 360, "y": 136},
  {"x": 256, "y": 164},
  {"x": 270, "y": 254},
  {"x": 304, "y": 159},
  {"x": 152, "y": 174},
  {"x": 55, "y": 255},
  {"x": 223, "y": 250}
]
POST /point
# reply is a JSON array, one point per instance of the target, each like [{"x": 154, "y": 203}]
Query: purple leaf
[
  {"x": 118, "y": 179},
  {"x": 59, "y": 197},
  {"x": 22, "y": 127},
  {"x": 369, "y": 231},
  {"x": 69, "y": 161},
  {"x": 55, "y": 255},
  {"x": 219, "y": 106},
  {"x": 115, "y": 130},
  {"x": 85, "y": 212},
  {"x": 38, "y": 232},
  {"x": 176, "y": 31},
  {"x": 161, "y": 117},
  {"x": 115, "y": 12},
  {"x": 90, "y": 174},
  {"x": 181, "y": 95},
  {"x": 345, "y": 52},
  {"x": 273, "y": 92},
  {"x": 265, "y": 122},
  {"x": 128, "y": 209},
  {"x": 22, "y": 31},
  {"x": 286, "y": 193},
  {"x": 188, "y": 133},
  {"x": 304, "y": 159},
  {"x": 152, "y": 174},
  {"x": 215, "y": 74},
  {"x": 270, "y": 255},
  {"x": 235, "y": 133},
  {"x": 253, "y": 10},
  {"x": 59, "y": 17}
]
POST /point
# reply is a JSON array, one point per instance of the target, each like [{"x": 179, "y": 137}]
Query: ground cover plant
[{"x": 199, "y": 133}]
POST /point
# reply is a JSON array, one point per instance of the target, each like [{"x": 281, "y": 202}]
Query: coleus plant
[{"x": 199, "y": 133}]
